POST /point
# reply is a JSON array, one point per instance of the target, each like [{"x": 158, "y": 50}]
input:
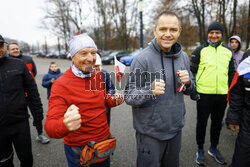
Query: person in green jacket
[{"x": 213, "y": 67}]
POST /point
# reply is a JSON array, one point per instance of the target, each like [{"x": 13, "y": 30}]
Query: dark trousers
[
  {"x": 17, "y": 135},
  {"x": 215, "y": 106},
  {"x": 152, "y": 152},
  {"x": 241, "y": 155},
  {"x": 74, "y": 159}
]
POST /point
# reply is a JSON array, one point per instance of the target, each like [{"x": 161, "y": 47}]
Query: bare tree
[
  {"x": 233, "y": 31},
  {"x": 63, "y": 18},
  {"x": 56, "y": 19},
  {"x": 102, "y": 10},
  {"x": 248, "y": 26},
  {"x": 242, "y": 18},
  {"x": 224, "y": 5},
  {"x": 197, "y": 8},
  {"x": 123, "y": 25},
  {"x": 188, "y": 35}
]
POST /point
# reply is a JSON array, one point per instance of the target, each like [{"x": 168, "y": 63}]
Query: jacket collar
[
  {"x": 52, "y": 72},
  {"x": 215, "y": 45}
]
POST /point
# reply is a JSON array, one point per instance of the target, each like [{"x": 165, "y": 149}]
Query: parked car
[
  {"x": 105, "y": 53},
  {"x": 63, "y": 55},
  {"x": 52, "y": 55},
  {"x": 127, "y": 60},
  {"x": 41, "y": 54},
  {"x": 110, "y": 58}
]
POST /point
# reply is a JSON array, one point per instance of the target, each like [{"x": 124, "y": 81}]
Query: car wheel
[{"x": 112, "y": 62}]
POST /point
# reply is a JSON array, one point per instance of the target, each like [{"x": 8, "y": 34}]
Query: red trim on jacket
[
  {"x": 234, "y": 81},
  {"x": 90, "y": 96},
  {"x": 30, "y": 67}
]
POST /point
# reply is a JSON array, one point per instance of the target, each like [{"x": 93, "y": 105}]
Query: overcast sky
[{"x": 20, "y": 20}]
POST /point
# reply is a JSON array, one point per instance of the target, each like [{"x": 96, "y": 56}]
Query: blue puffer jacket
[{"x": 47, "y": 80}]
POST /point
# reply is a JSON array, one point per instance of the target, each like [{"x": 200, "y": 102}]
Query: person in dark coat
[
  {"x": 14, "y": 51},
  {"x": 238, "y": 116},
  {"x": 48, "y": 79},
  {"x": 15, "y": 80}
]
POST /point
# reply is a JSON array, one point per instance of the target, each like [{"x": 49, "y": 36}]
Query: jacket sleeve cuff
[
  {"x": 63, "y": 127},
  {"x": 191, "y": 89}
]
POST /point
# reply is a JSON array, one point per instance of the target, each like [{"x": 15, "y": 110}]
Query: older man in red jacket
[{"x": 78, "y": 101}]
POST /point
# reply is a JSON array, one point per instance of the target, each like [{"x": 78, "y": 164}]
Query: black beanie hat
[{"x": 215, "y": 26}]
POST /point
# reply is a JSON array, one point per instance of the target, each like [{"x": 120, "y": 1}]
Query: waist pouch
[{"x": 97, "y": 151}]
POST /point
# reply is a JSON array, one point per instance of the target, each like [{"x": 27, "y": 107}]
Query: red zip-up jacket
[{"x": 90, "y": 96}]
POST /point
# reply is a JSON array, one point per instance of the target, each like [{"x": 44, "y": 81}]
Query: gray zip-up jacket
[{"x": 163, "y": 116}]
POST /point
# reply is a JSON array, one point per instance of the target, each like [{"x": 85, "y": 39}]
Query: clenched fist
[
  {"x": 117, "y": 98},
  {"x": 158, "y": 87},
  {"x": 184, "y": 77},
  {"x": 72, "y": 118}
]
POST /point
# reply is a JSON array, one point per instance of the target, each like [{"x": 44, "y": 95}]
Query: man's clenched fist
[
  {"x": 117, "y": 98},
  {"x": 158, "y": 87},
  {"x": 184, "y": 77},
  {"x": 72, "y": 118}
]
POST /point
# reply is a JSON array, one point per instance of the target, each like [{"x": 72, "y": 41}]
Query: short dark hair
[
  {"x": 167, "y": 13},
  {"x": 51, "y": 63},
  {"x": 11, "y": 43}
]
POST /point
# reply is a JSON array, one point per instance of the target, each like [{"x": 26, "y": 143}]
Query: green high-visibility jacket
[{"x": 213, "y": 68}]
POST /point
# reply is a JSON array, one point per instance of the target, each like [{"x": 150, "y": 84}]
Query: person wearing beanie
[
  {"x": 215, "y": 26},
  {"x": 235, "y": 45},
  {"x": 15, "y": 80},
  {"x": 108, "y": 82},
  {"x": 78, "y": 101},
  {"x": 213, "y": 67}
]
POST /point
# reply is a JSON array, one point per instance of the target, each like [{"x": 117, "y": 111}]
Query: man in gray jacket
[{"x": 159, "y": 76}]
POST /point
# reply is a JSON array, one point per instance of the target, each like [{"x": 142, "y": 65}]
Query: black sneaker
[
  {"x": 217, "y": 156},
  {"x": 200, "y": 157}
]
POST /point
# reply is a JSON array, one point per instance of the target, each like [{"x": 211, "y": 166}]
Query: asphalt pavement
[{"x": 52, "y": 154}]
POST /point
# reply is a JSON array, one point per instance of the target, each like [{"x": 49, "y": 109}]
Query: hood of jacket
[{"x": 238, "y": 39}]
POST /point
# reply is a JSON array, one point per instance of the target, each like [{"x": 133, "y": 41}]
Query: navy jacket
[
  {"x": 47, "y": 80},
  {"x": 108, "y": 83}
]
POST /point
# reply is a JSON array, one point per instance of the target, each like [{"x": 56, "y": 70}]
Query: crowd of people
[{"x": 79, "y": 100}]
